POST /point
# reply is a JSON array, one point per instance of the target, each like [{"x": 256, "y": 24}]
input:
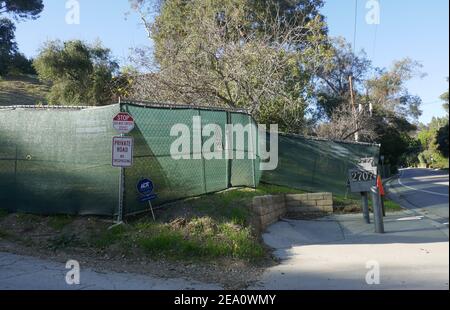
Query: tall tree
[
  {"x": 442, "y": 141},
  {"x": 10, "y": 59},
  {"x": 333, "y": 87},
  {"x": 79, "y": 73},
  {"x": 389, "y": 94},
  {"x": 22, "y": 9},
  {"x": 247, "y": 54},
  {"x": 8, "y": 45}
]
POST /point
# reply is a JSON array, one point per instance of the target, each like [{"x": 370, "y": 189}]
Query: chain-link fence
[
  {"x": 317, "y": 165},
  {"x": 58, "y": 160},
  {"x": 195, "y": 174}
]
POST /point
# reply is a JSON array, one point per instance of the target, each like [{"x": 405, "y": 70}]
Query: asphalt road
[
  {"x": 424, "y": 191},
  {"x": 28, "y": 273}
]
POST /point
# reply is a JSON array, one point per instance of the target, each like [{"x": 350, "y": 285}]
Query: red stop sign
[{"x": 123, "y": 122}]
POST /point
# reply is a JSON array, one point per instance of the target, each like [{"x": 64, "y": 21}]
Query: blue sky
[{"x": 408, "y": 28}]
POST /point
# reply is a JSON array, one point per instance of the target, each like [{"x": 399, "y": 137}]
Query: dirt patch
[
  {"x": 90, "y": 241},
  {"x": 232, "y": 275}
]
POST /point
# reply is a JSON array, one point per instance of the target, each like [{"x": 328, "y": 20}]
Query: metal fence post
[
  {"x": 365, "y": 206},
  {"x": 228, "y": 147},
  {"x": 377, "y": 212},
  {"x": 205, "y": 188},
  {"x": 253, "y": 152},
  {"x": 121, "y": 190},
  {"x": 121, "y": 184}
]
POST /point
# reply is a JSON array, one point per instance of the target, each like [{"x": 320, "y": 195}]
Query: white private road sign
[
  {"x": 123, "y": 123},
  {"x": 122, "y": 152}
]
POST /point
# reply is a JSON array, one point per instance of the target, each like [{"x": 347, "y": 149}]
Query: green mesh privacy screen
[
  {"x": 175, "y": 179},
  {"x": 59, "y": 160},
  {"x": 317, "y": 165}
]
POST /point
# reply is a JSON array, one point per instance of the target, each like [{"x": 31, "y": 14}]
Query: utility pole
[{"x": 350, "y": 78}]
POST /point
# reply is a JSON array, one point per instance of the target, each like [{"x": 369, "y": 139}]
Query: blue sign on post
[
  {"x": 145, "y": 188},
  {"x": 148, "y": 198}
]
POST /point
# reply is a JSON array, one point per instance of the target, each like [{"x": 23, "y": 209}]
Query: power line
[
  {"x": 355, "y": 26},
  {"x": 375, "y": 40}
]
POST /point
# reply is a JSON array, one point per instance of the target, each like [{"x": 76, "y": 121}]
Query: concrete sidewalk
[
  {"x": 332, "y": 254},
  {"x": 28, "y": 273}
]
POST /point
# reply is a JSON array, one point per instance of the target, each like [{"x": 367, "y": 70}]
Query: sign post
[
  {"x": 122, "y": 153},
  {"x": 382, "y": 193},
  {"x": 363, "y": 179},
  {"x": 377, "y": 212},
  {"x": 365, "y": 206},
  {"x": 123, "y": 123}
]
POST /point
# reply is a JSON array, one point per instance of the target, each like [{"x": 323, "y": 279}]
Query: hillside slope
[{"x": 22, "y": 90}]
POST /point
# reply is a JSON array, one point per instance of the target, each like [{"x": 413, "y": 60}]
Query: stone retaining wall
[{"x": 270, "y": 209}]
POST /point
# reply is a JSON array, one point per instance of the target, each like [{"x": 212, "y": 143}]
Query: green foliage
[
  {"x": 444, "y": 97},
  {"x": 177, "y": 18},
  {"x": 107, "y": 237},
  {"x": 395, "y": 111},
  {"x": 4, "y": 234},
  {"x": 200, "y": 238},
  {"x": 388, "y": 92},
  {"x": 442, "y": 141},
  {"x": 239, "y": 53},
  {"x": 3, "y": 213},
  {"x": 8, "y": 45},
  {"x": 79, "y": 73},
  {"x": 394, "y": 137},
  {"x": 11, "y": 61},
  {"x": 352, "y": 204},
  {"x": 333, "y": 88},
  {"x": 60, "y": 221},
  {"x": 21, "y": 65},
  {"x": 434, "y": 142},
  {"x": 21, "y": 9}
]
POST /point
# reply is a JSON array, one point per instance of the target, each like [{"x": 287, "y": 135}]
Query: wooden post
[{"x": 350, "y": 78}]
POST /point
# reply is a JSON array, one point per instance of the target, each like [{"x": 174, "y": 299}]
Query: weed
[
  {"x": 202, "y": 238},
  {"x": 3, "y": 213},
  {"x": 107, "y": 237},
  {"x": 4, "y": 234},
  {"x": 62, "y": 241},
  {"x": 58, "y": 222}
]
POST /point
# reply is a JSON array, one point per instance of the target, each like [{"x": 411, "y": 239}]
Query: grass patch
[
  {"x": 233, "y": 205},
  {"x": 22, "y": 90},
  {"x": 28, "y": 222},
  {"x": 203, "y": 228},
  {"x": 58, "y": 222},
  {"x": 202, "y": 238},
  {"x": 24, "y": 218},
  {"x": 392, "y": 206},
  {"x": 107, "y": 237},
  {"x": 352, "y": 204}
]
